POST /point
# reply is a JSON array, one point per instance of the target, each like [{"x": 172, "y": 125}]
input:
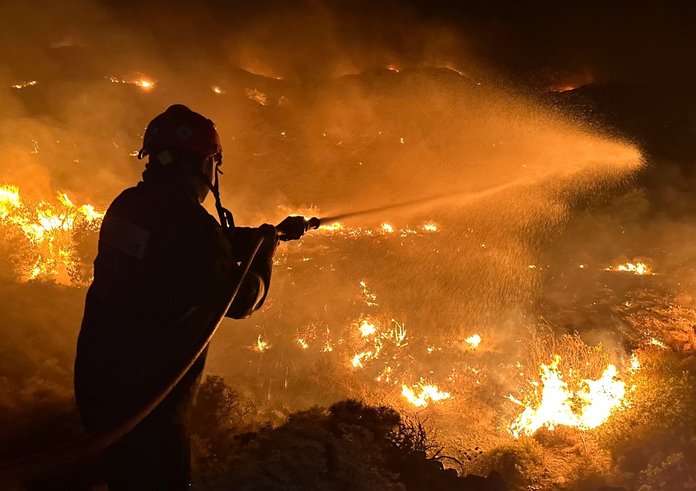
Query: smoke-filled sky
[{"x": 541, "y": 43}]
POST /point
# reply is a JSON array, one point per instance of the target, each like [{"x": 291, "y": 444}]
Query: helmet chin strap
[{"x": 225, "y": 215}]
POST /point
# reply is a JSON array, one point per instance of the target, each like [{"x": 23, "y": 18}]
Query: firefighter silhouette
[{"x": 160, "y": 255}]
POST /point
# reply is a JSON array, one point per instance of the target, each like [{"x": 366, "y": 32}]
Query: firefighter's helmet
[{"x": 180, "y": 127}]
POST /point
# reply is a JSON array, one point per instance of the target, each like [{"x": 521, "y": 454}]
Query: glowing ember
[
  {"x": 367, "y": 328},
  {"x": 303, "y": 343},
  {"x": 358, "y": 359},
  {"x": 585, "y": 408},
  {"x": 430, "y": 227},
  {"x": 474, "y": 340},
  {"x": 145, "y": 84},
  {"x": 385, "y": 375},
  {"x": 638, "y": 268},
  {"x": 261, "y": 345},
  {"x": 257, "y": 96},
  {"x": 658, "y": 343},
  {"x": 370, "y": 298},
  {"x": 23, "y": 85},
  {"x": 397, "y": 334},
  {"x": 386, "y": 228},
  {"x": 421, "y": 395},
  {"x": 635, "y": 363},
  {"x": 217, "y": 89},
  {"x": 563, "y": 88},
  {"x": 142, "y": 82},
  {"x": 48, "y": 229}
]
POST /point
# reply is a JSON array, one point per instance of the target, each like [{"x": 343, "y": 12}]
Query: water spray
[{"x": 315, "y": 222}]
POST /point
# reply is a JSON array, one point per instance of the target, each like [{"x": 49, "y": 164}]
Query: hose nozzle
[{"x": 294, "y": 227}]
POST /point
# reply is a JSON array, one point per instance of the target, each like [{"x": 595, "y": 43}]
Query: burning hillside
[{"x": 491, "y": 269}]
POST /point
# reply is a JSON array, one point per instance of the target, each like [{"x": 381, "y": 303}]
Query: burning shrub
[{"x": 48, "y": 241}]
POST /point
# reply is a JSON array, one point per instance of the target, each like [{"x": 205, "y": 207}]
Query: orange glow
[
  {"x": 48, "y": 229},
  {"x": 584, "y": 408}
]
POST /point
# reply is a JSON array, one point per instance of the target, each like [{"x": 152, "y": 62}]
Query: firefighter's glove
[{"x": 292, "y": 228}]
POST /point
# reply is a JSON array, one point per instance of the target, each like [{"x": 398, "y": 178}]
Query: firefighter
[{"x": 161, "y": 259}]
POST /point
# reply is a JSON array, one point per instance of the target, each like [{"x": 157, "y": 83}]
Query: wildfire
[
  {"x": 367, "y": 328},
  {"x": 370, "y": 298},
  {"x": 639, "y": 268},
  {"x": 586, "y": 408},
  {"x": 24, "y": 85},
  {"x": 358, "y": 359},
  {"x": 421, "y": 395},
  {"x": 260, "y": 345},
  {"x": 635, "y": 363},
  {"x": 48, "y": 229},
  {"x": 563, "y": 88},
  {"x": 474, "y": 340},
  {"x": 141, "y": 82},
  {"x": 397, "y": 334},
  {"x": 657, "y": 342},
  {"x": 257, "y": 96}
]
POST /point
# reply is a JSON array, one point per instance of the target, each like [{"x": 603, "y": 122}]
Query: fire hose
[{"x": 99, "y": 441}]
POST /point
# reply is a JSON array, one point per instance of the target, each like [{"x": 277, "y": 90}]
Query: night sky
[{"x": 540, "y": 44}]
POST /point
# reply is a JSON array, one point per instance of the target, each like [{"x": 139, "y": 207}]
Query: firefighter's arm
[{"x": 254, "y": 289}]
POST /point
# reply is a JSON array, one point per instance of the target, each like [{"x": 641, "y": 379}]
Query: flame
[
  {"x": 421, "y": 395},
  {"x": 367, "y": 328},
  {"x": 217, "y": 89},
  {"x": 260, "y": 345},
  {"x": 142, "y": 82},
  {"x": 635, "y": 363},
  {"x": 257, "y": 96},
  {"x": 387, "y": 229},
  {"x": 358, "y": 359},
  {"x": 563, "y": 88},
  {"x": 370, "y": 298},
  {"x": 638, "y": 268},
  {"x": 397, "y": 334},
  {"x": 384, "y": 375},
  {"x": 585, "y": 408},
  {"x": 23, "y": 85},
  {"x": 474, "y": 340},
  {"x": 430, "y": 227},
  {"x": 145, "y": 84},
  {"x": 302, "y": 343},
  {"x": 48, "y": 229},
  {"x": 658, "y": 343}
]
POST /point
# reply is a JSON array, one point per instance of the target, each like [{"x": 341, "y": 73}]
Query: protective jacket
[{"x": 160, "y": 255}]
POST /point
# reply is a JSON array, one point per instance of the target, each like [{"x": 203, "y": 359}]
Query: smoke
[
  {"x": 328, "y": 107},
  {"x": 336, "y": 106}
]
